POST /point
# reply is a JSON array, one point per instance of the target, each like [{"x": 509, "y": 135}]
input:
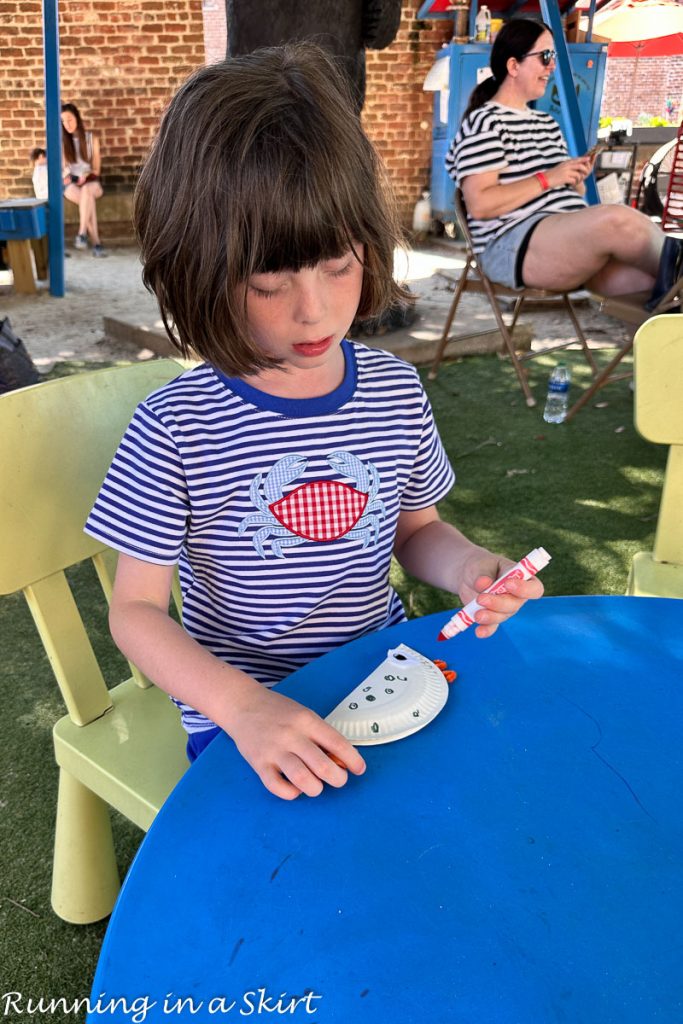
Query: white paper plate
[{"x": 402, "y": 695}]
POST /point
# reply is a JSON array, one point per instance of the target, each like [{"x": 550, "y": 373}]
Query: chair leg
[
  {"x": 630, "y": 583},
  {"x": 509, "y": 343},
  {"x": 19, "y": 258},
  {"x": 443, "y": 340},
  {"x": 600, "y": 381},
  {"x": 85, "y": 878},
  {"x": 515, "y": 314},
  {"x": 41, "y": 256},
  {"x": 580, "y": 335}
]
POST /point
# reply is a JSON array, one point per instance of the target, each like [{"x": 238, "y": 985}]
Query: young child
[
  {"x": 282, "y": 472},
  {"x": 39, "y": 177}
]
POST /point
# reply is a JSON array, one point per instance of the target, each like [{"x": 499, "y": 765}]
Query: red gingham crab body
[{"x": 319, "y": 510}]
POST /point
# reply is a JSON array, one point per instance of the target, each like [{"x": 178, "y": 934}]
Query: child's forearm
[
  {"x": 291, "y": 749},
  {"x": 176, "y": 663},
  {"x": 437, "y": 554}
]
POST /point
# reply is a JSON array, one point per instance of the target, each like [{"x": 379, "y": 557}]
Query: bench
[{"x": 23, "y": 226}]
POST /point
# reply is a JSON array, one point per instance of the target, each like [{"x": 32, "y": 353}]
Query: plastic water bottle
[
  {"x": 422, "y": 215},
  {"x": 483, "y": 25},
  {"x": 557, "y": 402}
]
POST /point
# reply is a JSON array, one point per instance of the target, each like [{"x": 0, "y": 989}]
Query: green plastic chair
[
  {"x": 658, "y": 374},
  {"x": 122, "y": 748}
]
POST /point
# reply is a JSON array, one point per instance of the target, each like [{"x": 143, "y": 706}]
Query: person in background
[
  {"x": 524, "y": 193},
  {"x": 38, "y": 157},
  {"x": 39, "y": 161},
  {"x": 82, "y": 176}
]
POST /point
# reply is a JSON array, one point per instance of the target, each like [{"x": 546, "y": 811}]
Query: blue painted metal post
[
  {"x": 53, "y": 138},
  {"x": 591, "y": 15},
  {"x": 576, "y": 137},
  {"x": 474, "y": 10}
]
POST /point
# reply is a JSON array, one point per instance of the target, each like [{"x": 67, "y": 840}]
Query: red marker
[{"x": 524, "y": 570}]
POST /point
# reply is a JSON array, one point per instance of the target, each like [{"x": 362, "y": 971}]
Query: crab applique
[{"x": 320, "y": 510}]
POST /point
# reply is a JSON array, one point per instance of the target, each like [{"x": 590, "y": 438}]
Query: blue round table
[{"x": 517, "y": 861}]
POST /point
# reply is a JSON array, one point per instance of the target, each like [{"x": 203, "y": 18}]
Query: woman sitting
[
  {"x": 529, "y": 221},
  {"x": 82, "y": 176}
]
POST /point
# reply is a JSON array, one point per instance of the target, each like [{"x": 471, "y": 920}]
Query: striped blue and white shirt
[
  {"x": 280, "y": 512},
  {"x": 518, "y": 143}
]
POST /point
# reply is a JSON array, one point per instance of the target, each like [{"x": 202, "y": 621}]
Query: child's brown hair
[{"x": 260, "y": 164}]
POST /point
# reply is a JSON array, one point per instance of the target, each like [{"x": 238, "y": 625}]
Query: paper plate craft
[{"x": 402, "y": 695}]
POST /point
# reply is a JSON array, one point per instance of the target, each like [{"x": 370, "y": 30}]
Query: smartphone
[{"x": 594, "y": 150}]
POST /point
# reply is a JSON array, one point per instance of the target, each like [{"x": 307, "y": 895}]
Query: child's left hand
[{"x": 480, "y": 570}]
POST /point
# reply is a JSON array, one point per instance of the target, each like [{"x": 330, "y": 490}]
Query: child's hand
[
  {"x": 291, "y": 749},
  {"x": 481, "y": 569}
]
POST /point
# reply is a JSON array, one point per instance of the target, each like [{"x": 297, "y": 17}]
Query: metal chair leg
[
  {"x": 509, "y": 343},
  {"x": 443, "y": 340},
  {"x": 603, "y": 378},
  {"x": 580, "y": 335}
]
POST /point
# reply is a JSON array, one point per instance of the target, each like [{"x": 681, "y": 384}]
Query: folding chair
[
  {"x": 473, "y": 279},
  {"x": 658, "y": 362},
  {"x": 123, "y": 747},
  {"x": 631, "y": 310}
]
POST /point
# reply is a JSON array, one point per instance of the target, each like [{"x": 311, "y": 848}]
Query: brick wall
[
  {"x": 120, "y": 62},
  {"x": 634, "y": 86}
]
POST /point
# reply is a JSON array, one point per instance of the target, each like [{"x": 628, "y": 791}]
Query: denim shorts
[{"x": 502, "y": 258}]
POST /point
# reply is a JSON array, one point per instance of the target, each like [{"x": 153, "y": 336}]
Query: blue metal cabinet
[
  {"x": 465, "y": 63},
  {"x": 588, "y": 61}
]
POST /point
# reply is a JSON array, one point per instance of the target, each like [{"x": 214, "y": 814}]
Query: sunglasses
[{"x": 547, "y": 56}]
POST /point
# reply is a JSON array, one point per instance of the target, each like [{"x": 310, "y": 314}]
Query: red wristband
[{"x": 542, "y": 180}]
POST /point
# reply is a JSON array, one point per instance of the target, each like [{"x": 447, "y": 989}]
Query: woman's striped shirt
[
  {"x": 517, "y": 143},
  {"x": 281, "y": 513}
]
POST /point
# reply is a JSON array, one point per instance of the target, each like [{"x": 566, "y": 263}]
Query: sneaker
[
  {"x": 81, "y": 242},
  {"x": 97, "y": 250}
]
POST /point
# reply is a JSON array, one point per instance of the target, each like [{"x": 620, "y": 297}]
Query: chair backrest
[
  {"x": 658, "y": 363},
  {"x": 57, "y": 440},
  {"x": 476, "y": 279},
  {"x": 672, "y": 214},
  {"x": 461, "y": 219},
  {"x": 658, "y": 368}
]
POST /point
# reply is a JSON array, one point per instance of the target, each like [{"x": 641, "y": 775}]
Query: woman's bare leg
[
  {"x": 614, "y": 249},
  {"x": 73, "y": 194},
  {"x": 85, "y": 196},
  {"x": 617, "y": 278},
  {"x": 91, "y": 192}
]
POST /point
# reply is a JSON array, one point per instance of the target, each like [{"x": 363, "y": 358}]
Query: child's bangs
[
  {"x": 299, "y": 229},
  {"x": 301, "y": 238}
]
